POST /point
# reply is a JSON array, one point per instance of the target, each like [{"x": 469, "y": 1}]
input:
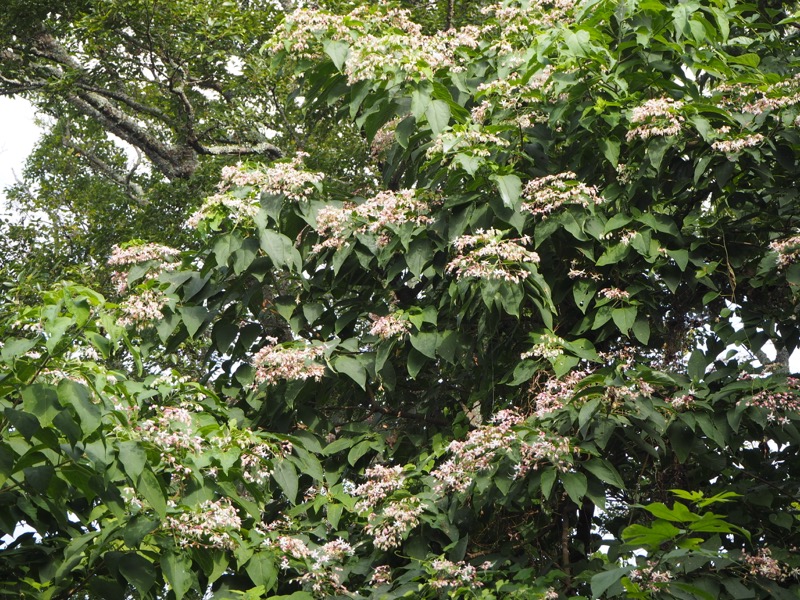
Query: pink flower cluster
[
  {"x": 546, "y": 194},
  {"x": 140, "y": 310},
  {"x": 381, "y": 481},
  {"x": 486, "y": 255},
  {"x": 286, "y": 178},
  {"x": 381, "y": 575},
  {"x": 409, "y": 54},
  {"x": 208, "y": 526},
  {"x": 487, "y": 444},
  {"x": 658, "y": 117},
  {"x": 378, "y": 215},
  {"x": 777, "y": 404},
  {"x": 172, "y": 432},
  {"x": 557, "y": 392},
  {"x": 389, "y": 326},
  {"x": 762, "y": 564},
  {"x": 615, "y": 294},
  {"x": 788, "y": 250},
  {"x": 274, "y": 363},
  {"x": 734, "y": 145},
  {"x": 448, "y": 574},
  {"x": 776, "y": 96},
  {"x": 388, "y": 521}
]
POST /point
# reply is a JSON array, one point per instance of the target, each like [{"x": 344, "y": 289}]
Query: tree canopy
[{"x": 514, "y": 343}]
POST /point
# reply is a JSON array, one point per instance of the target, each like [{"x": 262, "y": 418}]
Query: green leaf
[
  {"x": 352, "y": 368},
  {"x": 16, "y": 347},
  {"x": 357, "y": 451},
  {"x": 261, "y": 569},
  {"x": 604, "y": 471},
  {"x": 624, "y": 318},
  {"x": 438, "y": 115},
  {"x": 76, "y": 395},
  {"x": 416, "y": 360},
  {"x": 337, "y": 50},
  {"x": 426, "y": 342},
  {"x": 613, "y": 255},
  {"x": 133, "y": 458},
  {"x": 286, "y": 477},
  {"x": 177, "y": 569},
  {"x": 150, "y": 488},
  {"x": 42, "y": 401},
  {"x": 225, "y": 246},
  {"x": 404, "y": 130},
  {"x": 575, "y": 484},
  {"x": 280, "y": 250},
  {"x": 682, "y": 439},
  {"x": 582, "y": 292},
  {"x": 138, "y": 571},
  {"x": 193, "y": 318},
  {"x": 547, "y": 482},
  {"x": 420, "y": 253},
  {"x": 641, "y": 330},
  {"x": 681, "y": 258},
  {"x": 510, "y": 188},
  {"x": 605, "y": 579},
  {"x": 420, "y": 100},
  {"x": 750, "y": 59},
  {"x": 697, "y": 365}
]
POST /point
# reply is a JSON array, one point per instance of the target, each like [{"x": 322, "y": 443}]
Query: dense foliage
[{"x": 519, "y": 352}]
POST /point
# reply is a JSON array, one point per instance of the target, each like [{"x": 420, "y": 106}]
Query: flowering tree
[{"x": 529, "y": 357}]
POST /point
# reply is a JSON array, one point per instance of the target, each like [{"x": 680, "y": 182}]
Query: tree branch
[{"x": 132, "y": 189}]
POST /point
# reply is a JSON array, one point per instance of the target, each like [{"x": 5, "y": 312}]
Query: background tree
[{"x": 519, "y": 362}]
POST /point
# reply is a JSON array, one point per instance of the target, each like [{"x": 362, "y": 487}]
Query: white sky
[{"x": 19, "y": 134}]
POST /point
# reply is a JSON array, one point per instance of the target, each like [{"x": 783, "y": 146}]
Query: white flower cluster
[
  {"x": 240, "y": 186},
  {"x": 209, "y": 526},
  {"x": 140, "y": 310},
  {"x": 486, "y": 255},
  {"x": 139, "y": 253},
  {"x": 448, "y": 574},
  {"x": 549, "y": 346},
  {"x": 274, "y": 363},
  {"x": 658, "y": 117},
  {"x": 173, "y": 431},
  {"x": 320, "y": 566},
  {"x": 546, "y": 194},
  {"x": 788, "y": 250},
  {"x": 466, "y": 140},
  {"x": 556, "y": 393},
  {"x": 650, "y": 577},
  {"x": 381, "y": 481},
  {"x": 238, "y": 209},
  {"x": 395, "y": 519},
  {"x": 378, "y": 215}
]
